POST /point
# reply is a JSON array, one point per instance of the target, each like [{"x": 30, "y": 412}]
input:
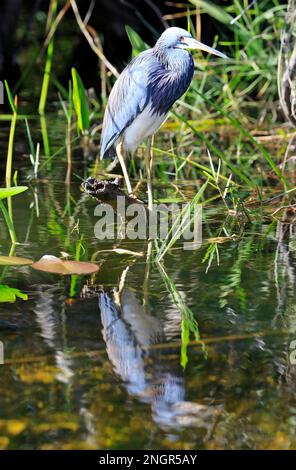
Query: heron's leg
[
  {"x": 121, "y": 157},
  {"x": 149, "y": 164}
]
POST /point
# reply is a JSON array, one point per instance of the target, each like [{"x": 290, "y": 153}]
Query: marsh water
[{"x": 104, "y": 361}]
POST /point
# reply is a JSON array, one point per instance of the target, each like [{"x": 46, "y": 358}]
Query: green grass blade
[
  {"x": 249, "y": 136},
  {"x": 9, "y": 192},
  {"x": 215, "y": 150},
  {"x": 170, "y": 240},
  {"x": 9, "y": 222},
  {"x": 80, "y": 102},
  {"x": 10, "y": 97},
  {"x": 188, "y": 321},
  {"x": 11, "y": 143},
  {"x": 48, "y": 64},
  {"x": 136, "y": 41}
]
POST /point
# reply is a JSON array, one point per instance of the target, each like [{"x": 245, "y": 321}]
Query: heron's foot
[
  {"x": 104, "y": 190},
  {"x": 96, "y": 187}
]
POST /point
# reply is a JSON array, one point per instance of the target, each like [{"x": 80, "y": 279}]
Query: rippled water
[{"x": 98, "y": 362}]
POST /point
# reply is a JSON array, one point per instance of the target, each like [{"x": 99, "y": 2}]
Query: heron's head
[{"x": 178, "y": 38}]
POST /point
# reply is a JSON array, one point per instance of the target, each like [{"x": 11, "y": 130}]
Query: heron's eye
[{"x": 181, "y": 38}]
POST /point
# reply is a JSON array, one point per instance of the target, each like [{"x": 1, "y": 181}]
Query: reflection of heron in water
[
  {"x": 131, "y": 335},
  {"x": 49, "y": 319}
]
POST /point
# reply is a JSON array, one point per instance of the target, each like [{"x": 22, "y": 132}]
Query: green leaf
[
  {"x": 8, "y": 192},
  {"x": 215, "y": 11},
  {"x": 189, "y": 324},
  {"x": 137, "y": 43},
  {"x": 10, "y": 97},
  {"x": 10, "y": 294},
  {"x": 80, "y": 102}
]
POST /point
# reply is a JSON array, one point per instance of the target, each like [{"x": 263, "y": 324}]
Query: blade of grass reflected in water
[
  {"x": 75, "y": 280},
  {"x": 233, "y": 281},
  {"x": 188, "y": 322}
]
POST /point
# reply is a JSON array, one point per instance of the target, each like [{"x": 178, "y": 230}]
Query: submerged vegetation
[{"x": 229, "y": 145}]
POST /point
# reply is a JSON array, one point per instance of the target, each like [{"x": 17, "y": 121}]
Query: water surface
[{"x": 99, "y": 361}]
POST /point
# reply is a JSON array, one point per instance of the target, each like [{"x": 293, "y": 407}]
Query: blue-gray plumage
[{"x": 146, "y": 90}]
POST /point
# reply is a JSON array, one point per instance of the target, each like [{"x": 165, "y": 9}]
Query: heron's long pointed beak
[{"x": 194, "y": 44}]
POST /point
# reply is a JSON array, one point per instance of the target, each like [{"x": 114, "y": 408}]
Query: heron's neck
[{"x": 173, "y": 59}]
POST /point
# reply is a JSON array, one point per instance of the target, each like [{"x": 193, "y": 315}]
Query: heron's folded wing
[{"x": 128, "y": 98}]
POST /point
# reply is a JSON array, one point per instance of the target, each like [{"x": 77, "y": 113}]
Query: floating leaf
[
  {"x": 10, "y": 294},
  {"x": 52, "y": 264},
  {"x": 14, "y": 261},
  {"x": 8, "y": 192}
]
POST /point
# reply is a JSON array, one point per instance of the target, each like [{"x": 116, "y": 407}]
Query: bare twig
[
  {"x": 157, "y": 11},
  {"x": 290, "y": 206},
  {"x": 53, "y": 29},
  {"x": 182, "y": 14},
  {"x": 198, "y": 21},
  {"x": 90, "y": 40},
  {"x": 234, "y": 20},
  {"x": 89, "y": 11},
  {"x": 49, "y": 15}
]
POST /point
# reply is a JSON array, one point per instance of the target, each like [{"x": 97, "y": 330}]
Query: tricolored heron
[{"x": 143, "y": 95}]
